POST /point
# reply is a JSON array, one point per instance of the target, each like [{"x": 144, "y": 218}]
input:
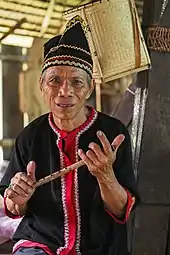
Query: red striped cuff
[
  {"x": 129, "y": 206},
  {"x": 31, "y": 244}
]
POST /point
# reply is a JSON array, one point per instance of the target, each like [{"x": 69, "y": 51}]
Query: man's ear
[{"x": 92, "y": 84}]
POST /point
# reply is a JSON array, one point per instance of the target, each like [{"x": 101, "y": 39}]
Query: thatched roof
[
  {"x": 33, "y": 18},
  {"x": 36, "y": 18}
]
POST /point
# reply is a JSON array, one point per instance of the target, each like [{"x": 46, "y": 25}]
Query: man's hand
[
  {"x": 21, "y": 187},
  {"x": 100, "y": 164},
  {"x": 100, "y": 161}
]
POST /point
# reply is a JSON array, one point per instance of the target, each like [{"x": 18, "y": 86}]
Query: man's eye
[
  {"x": 54, "y": 80},
  {"x": 77, "y": 82}
]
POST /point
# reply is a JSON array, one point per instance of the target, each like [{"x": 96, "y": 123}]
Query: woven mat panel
[{"x": 115, "y": 33}]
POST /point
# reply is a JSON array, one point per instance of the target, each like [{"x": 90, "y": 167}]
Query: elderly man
[{"x": 83, "y": 212}]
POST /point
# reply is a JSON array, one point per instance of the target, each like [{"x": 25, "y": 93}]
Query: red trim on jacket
[
  {"x": 71, "y": 211},
  {"x": 30, "y": 244},
  {"x": 130, "y": 203},
  {"x": 68, "y": 149},
  {"x": 69, "y": 158}
]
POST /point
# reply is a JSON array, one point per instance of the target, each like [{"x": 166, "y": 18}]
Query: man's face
[{"x": 65, "y": 90}]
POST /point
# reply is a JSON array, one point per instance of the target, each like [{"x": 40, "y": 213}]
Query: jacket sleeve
[
  {"x": 125, "y": 175},
  {"x": 18, "y": 163}
]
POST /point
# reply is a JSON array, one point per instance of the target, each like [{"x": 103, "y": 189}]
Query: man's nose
[{"x": 66, "y": 90}]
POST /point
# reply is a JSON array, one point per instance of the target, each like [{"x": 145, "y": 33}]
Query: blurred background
[{"x": 24, "y": 27}]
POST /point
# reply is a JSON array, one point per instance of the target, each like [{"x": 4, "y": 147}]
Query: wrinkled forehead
[{"x": 66, "y": 71}]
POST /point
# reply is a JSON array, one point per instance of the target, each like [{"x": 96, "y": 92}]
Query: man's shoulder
[
  {"x": 110, "y": 121},
  {"x": 111, "y": 126},
  {"x": 38, "y": 125}
]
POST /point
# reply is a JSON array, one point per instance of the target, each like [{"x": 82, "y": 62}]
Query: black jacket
[{"x": 99, "y": 234}]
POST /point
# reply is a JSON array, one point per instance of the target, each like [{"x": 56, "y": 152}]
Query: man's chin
[{"x": 65, "y": 115}]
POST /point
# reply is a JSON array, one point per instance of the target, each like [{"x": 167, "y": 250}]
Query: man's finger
[
  {"x": 10, "y": 193},
  {"x": 118, "y": 141},
  {"x": 31, "y": 170},
  {"x": 97, "y": 150},
  {"x": 20, "y": 190},
  {"x": 19, "y": 183},
  {"x": 22, "y": 176},
  {"x": 105, "y": 143},
  {"x": 85, "y": 158}
]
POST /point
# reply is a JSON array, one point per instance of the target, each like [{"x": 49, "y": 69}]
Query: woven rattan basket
[{"x": 115, "y": 37}]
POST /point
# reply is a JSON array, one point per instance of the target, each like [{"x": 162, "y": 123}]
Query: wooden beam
[
  {"x": 47, "y": 17},
  {"x": 151, "y": 223},
  {"x": 35, "y": 28},
  {"x": 44, "y": 6},
  {"x": 4, "y": 21},
  {"x": 12, "y": 29},
  {"x": 23, "y": 11}
]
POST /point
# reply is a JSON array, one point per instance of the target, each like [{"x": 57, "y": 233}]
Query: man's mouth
[{"x": 65, "y": 105}]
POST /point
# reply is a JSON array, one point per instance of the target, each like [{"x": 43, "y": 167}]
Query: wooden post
[
  {"x": 98, "y": 95},
  {"x": 12, "y": 117},
  {"x": 151, "y": 230}
]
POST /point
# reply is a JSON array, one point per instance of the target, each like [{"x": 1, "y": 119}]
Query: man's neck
[{"x": 69, "y": 125}]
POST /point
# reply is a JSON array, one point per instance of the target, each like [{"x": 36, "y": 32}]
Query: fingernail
[
  {"x": 100, "y": 133},
  {"x": 91, "y": 145},
  {"x": 79, "y": 151},
  {"x": 30, "y": 163}
]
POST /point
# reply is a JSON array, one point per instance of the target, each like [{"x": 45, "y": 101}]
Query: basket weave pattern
[
  {"x": 158, "y": 39},
  {"x": 112, "y": 31}
]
